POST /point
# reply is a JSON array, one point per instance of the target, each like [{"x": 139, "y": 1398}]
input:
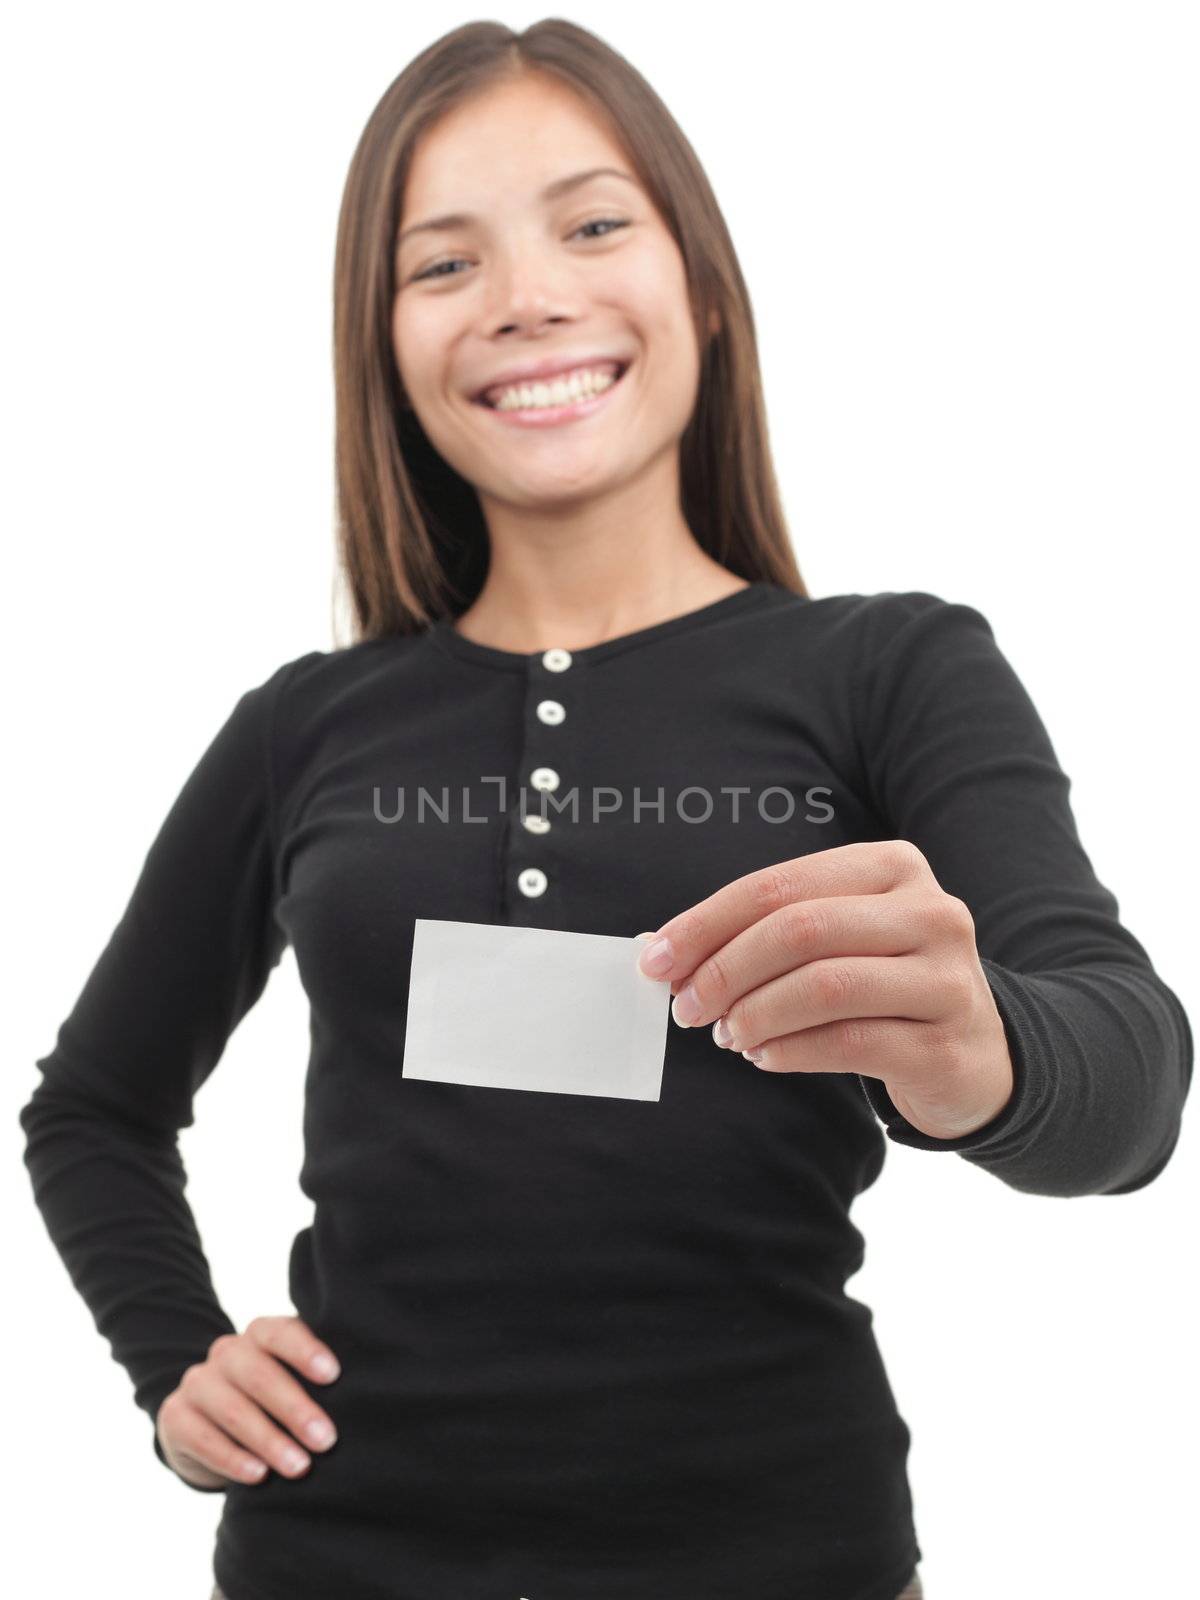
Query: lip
[
  {"x": 548, "y": 367},
  {"x": 551, "y": 416}
]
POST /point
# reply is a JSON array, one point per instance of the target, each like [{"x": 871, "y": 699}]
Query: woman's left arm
[{"x": 969, "y": 966}]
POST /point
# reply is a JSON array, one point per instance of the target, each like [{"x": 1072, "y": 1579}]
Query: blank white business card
[{"x": 498, "y": 1007}]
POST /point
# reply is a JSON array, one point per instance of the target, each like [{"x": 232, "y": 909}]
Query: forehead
[{"x": 506, "y": 143}]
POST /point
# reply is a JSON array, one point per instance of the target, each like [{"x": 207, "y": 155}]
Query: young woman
[{"x": 556, "y": 1345}]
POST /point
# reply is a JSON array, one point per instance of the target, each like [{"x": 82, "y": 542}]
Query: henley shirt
[{"x": 592, "y": 1348}]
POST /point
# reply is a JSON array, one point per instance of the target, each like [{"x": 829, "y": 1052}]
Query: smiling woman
[
  {"x": 553, "y": 225},
  {"x": 552, "y": 1342},
  {"x": 578, "y": 238}
]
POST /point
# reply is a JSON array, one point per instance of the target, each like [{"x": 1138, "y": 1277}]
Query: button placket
[{"x": 532, "y": 881}]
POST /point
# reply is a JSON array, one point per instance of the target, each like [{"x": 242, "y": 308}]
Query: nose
[
  {"x": 530, "y": 322},
  {"x": 529, "y": 291}
]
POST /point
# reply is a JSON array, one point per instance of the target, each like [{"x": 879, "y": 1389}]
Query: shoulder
[
  {"x": 859, "y": 628},
  {"x": 895, "y": 623},
  {"x": 304, "y": 696},
  {"x": 888, "y": 609},
  {"x": 318, "y": 675}
]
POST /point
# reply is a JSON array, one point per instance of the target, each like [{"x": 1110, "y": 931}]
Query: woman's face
[{"x": 519, "y": 272}]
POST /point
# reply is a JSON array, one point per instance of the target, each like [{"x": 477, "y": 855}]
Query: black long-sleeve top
[{"x": 592, "y": 1348}]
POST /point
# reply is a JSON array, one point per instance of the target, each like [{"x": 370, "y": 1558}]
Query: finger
[
  {"x": 277, "y": 1397},
  {"x": 244, "y": 1407},
  {"x": 192, "y": 1437},
  {"x": 804, "y": 931},
  {"x": 841, "y": 989},
  {"x": 292, "y": 1340},
  {"x": 878, "y": 1047},
  {"x": 870, "y": 867}
]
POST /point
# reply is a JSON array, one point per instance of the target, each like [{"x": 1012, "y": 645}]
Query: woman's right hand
[{"x": 219, "y": 1424}]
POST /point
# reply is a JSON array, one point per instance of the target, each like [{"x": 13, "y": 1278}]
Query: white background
[{"x": 971, "y": 238}]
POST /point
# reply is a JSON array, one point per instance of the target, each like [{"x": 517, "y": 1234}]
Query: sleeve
[
  {"x": 190, "y": 955},
  {"x": 958, "y": 762}
]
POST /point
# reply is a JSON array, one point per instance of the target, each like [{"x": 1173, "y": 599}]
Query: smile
[{"x": 564, "y": 398}]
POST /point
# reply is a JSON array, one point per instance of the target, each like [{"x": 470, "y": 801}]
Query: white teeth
[{"x": 559, "y": 391}]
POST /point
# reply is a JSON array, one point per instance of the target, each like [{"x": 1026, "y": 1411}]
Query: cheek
[
  {"x": 404, "y": 344},
  {"x": 656, "y": 301},
  {"x": 419, "y": 346},
  {"x": 400, "y": 347}
]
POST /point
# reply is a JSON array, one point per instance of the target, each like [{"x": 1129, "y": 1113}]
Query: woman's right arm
[{"x": 190, "y": 955}]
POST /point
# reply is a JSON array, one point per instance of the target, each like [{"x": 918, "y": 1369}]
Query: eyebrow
[{"x": 552, "y": 191}]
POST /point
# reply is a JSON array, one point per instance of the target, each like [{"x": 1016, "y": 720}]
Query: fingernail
[
  {"x": 325, "y": 1366},
  {"x": 295, "y": 1460},
  {"x": 722, "y": 1033},
  {"x": 754, "y": 1055},
  {"x": 657, "y": 958},
  {"x": 686, "y": 1007},
  {"x": 320, "y": 1433}
]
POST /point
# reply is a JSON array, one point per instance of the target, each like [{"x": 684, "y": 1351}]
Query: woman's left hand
[{"x": 849, "y": 960}]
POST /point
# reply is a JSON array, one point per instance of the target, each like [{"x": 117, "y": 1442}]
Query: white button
[
  {"x": 532, "y": 882},
  {"x": 536, "y": 824},
  {"x": 544, "y": 778},
  {"x": 551, "y": 711},
  {"x": 556, "y": 660}
]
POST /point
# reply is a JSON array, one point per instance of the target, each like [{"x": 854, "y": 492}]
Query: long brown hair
[{"x": 412, "y": 540}]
